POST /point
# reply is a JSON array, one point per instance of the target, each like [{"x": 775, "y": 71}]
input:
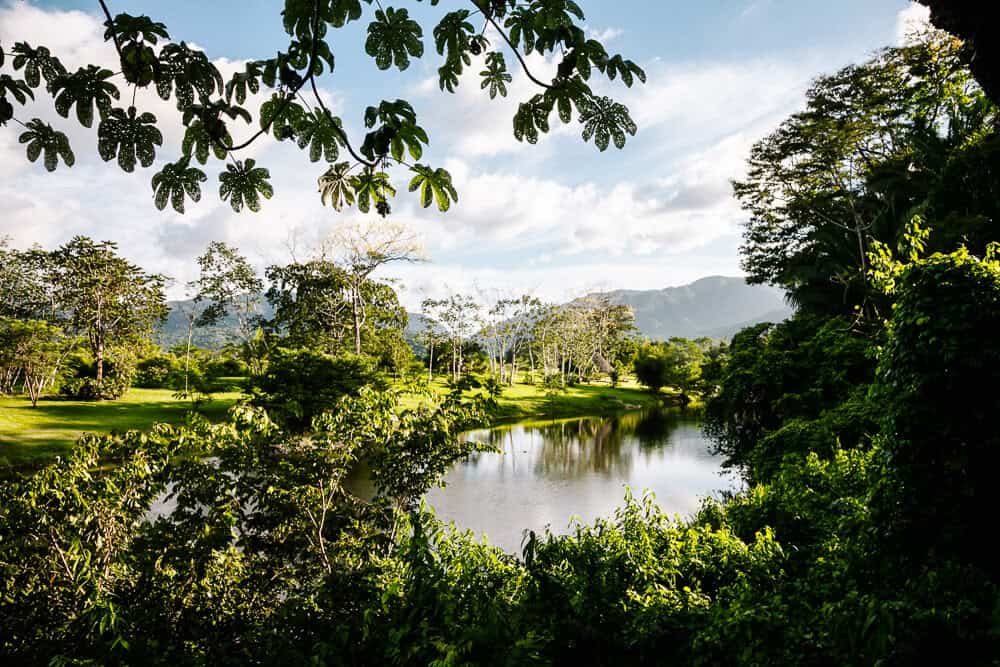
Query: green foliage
[
  {"x": 940, "y": 359},
  {"x": 42, "y": 138},
  {"x": 495, "y": 76},
  {"x": 186, "y": 74},
  {"x": 871, "y": 149},
  {"x": 650, "y": 369},
  {"x": 86, "y": 88},
  {"x": 372, "y": 188},
  {"x": 605, "y": 120},
  {"x": 798, "y": 369},
  {"x": 322, "y": 134},
  {"x": 175, "y": 181},
  {"x": 148, "y": 55},
  {"x": 299, "y": 385},
  {"x": 38, "y": 63},
  {"x": 135, "y": 36},
  {"x": 244, "y": 183},
  {"x": 129, "y": 137},
  {"x": 434, "y": 186},
  {"x": 393, "y": 37}
]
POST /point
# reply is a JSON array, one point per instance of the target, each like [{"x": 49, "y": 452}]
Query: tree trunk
[
  {"x": 356, "y": 308},
  {"x": 99, "y": 357},
  {"x": 187, "y": 355},
  {"x": 430, "y": 365}
]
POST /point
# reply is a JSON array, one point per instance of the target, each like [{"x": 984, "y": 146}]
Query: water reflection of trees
[{"x": 571, "y": 449}]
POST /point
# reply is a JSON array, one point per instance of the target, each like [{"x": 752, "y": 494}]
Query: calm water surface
[{"x": 548, "y": 474}]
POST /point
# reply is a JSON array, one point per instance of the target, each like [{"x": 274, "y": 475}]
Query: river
[{"x": 548, "y": 474}]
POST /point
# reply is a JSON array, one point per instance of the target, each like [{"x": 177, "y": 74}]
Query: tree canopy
[{"x": 483, "y": 35}]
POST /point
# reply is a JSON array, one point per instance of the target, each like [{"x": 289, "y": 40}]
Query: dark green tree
[
  {"x": 109, "y": 301},
  {"x": 854, "y": 167}
]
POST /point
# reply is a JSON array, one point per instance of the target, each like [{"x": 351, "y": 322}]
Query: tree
[
  {"x": 360, "y": 249},
  {"x": 853, "y": 168},
  {"x": 457, "y": 315},
  {"x": 683, "y": 360},
  {"x": 299, "y": 385},
  {"x": 314, "y": 307},
  {"x": 150, "y": 57},
  {"x": 231, "y": 288},
  {"x": 25, "y": 292},
  {"x": 38, "y": 349},
  {"x": 113, "y": 303},
  {"x": 651, "y": 368}
]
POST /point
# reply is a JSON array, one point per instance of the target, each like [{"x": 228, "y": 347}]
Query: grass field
[{"x": 33, "y": 434}]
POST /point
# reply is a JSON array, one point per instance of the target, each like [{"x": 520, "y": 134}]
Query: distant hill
[
  {"x": 716, "y": 307},
  {"x": 174, "y": 329}
]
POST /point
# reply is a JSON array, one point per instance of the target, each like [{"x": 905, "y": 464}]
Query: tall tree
[
  {"x": 230, "y": 288},
  {"x": 104, "y": 297},
  {"x": 25, "y": 290},
  {"x": 361, "y": 248},
  {"x": 853, "y": 168}
]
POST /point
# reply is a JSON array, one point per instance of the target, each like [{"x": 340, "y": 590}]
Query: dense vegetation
[{"x": 863, "y": 426}]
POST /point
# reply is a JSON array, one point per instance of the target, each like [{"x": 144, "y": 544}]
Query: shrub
[{"x": 298, "y": 385}]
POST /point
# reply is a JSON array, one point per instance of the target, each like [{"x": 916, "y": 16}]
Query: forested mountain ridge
[
  {"x": 173, "y": 330},
  {"x": 716, "y": 306}
]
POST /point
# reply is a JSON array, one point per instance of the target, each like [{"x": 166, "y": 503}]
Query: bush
[
  {"x": 298, "y": 385},
  {"x": 159, "y": 372}
]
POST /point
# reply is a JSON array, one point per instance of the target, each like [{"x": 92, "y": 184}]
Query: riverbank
[{"x": 34, "y": 435}]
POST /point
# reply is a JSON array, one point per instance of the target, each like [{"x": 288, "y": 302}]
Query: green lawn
[
  {"x": 524, "y": 401},
  {"x": 33, "y": 434}
]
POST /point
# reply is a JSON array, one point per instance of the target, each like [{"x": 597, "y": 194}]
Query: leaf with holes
[
  {"x": 129, "y": 136},
  {"x": 242, "y": 82},
  {"x": 605, "y": 120},
  {"x": 38, "y": 64},
  {"x": 372, "y": 187},
  {"x": 281, "y": 116},
  {"x": 393, "y": 37},
  {"x": 175, "y": 181},
  {"x": 434, "y": 185},
  {"x": 335, "y": 186},
  {"x": 42, "y": 138},
  {"x": 495, "y": 76},
  {"x": 244, "y": 183},
  {"x": 532, "y": 119},
  {"x": 86, "y": 88},
  {"x": 319, "y": 132},
  {"x": 185, "y": 72},
  {"x": 199, "y": 142}
]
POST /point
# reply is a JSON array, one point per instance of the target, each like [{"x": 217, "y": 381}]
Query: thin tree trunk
[{"x": 187, "y": 354}]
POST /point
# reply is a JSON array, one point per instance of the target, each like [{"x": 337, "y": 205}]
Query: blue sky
[{"x": 557, "y": 219}]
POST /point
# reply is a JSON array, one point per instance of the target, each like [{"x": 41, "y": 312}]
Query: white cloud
[
  {"x": 604, "y": 35},
  {"x": 541, "y": 217},
  {"x": 913, "y": 19}
]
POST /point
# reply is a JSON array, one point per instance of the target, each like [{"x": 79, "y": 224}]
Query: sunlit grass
[{"x": 32, "y": 434}]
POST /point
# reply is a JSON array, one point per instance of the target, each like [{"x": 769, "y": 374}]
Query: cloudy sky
[{"x": 557, "y": 219}]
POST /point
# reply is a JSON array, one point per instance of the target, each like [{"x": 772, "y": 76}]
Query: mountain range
[{"x": 716, "y": 307}]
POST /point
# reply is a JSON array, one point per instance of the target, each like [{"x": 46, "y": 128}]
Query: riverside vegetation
[{"x": 860, "y": 425}]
